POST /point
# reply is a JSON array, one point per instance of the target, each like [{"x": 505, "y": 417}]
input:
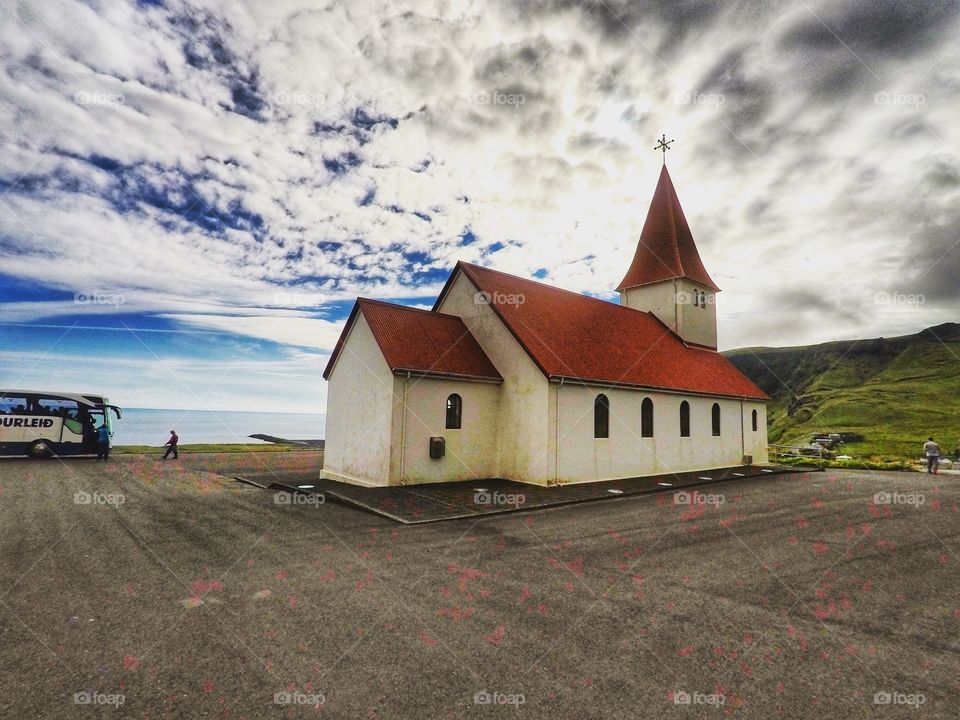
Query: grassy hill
[{"x": 894, "y": 391}]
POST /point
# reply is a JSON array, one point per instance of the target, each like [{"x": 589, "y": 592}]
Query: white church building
[{"x": 511, "y": 378}]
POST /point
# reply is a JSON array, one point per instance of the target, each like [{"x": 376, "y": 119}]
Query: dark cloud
[
  {"x": 873, "y": 27},
  {"x": 932, "y": 261},
  {"x": 803, "y": 301}
]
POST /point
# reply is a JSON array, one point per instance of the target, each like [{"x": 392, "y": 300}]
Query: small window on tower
[
  {"x": 754, "y": 420},
  {"x": 696, "y": 297},
  {"x": 703, "y": 299},
  {"x": 715, "y": 419}
]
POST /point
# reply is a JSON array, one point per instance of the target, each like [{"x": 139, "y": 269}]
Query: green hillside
[{"x": 894, "y": 391}]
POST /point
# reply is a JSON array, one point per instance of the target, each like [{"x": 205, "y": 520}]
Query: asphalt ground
[{"x": 184, "y": 594}]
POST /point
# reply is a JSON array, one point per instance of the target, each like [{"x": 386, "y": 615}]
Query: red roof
[
  {"x": 575, "y": 336},
  {"x": 419, "y": 341},
  {"x": 666, "y": 249}
]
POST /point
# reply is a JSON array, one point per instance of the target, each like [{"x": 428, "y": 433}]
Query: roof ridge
[
  {"x": 398, "y": 306},
  {"x": 671, "y": 201},
  {"x": 564, "y": 290}
]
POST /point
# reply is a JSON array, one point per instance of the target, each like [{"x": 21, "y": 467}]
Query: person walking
[
  {"x": 103, "y": 443},
  {"x": 932, "y": 451},
  {"x": 171, "y": 445}
]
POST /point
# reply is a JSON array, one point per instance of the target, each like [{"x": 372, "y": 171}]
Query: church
[{"x": 507, "y": 377}]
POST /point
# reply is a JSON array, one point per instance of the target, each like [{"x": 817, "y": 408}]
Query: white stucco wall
[
  {"x": 755, "y": 443},
  {"x": 524, "y": 396},
  {"x": 359, "y": 400},
  {"x": 420, "y": 413},
  {"x": 583, "y": 458},
  {"x": 695, "y": 324}
]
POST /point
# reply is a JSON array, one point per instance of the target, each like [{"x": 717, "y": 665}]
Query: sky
[{"x": 193, "y": 194}]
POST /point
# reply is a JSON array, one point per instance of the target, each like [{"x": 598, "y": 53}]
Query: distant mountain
[{"x": 894, "y": 391}]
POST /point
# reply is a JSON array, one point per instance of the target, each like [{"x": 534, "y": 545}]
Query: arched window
[
  {"x": 715, "y": 419},
  {"x": 684, "y": 419},
  {"x": 601, "y": 416},
  {"x": 703, "y": 299},
  {"x": 454, "y": 412},
  {"x": 646, "y": 418},
  {"x": 754, "y": 416},
  {"x": 696, "y": 297}
]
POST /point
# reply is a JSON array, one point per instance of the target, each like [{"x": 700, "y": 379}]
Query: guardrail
[{"x": 776, "y": 452}]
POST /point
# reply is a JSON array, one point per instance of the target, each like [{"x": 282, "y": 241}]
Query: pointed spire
[{"x": 666, "y": 249}]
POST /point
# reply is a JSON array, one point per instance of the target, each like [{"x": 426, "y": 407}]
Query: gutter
[{"x": 586, "y": 382}]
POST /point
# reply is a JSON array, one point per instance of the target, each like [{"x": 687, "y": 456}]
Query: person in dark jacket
[
  {"x": 103, "y": 443},
  {"x": 171, "y": 445}
]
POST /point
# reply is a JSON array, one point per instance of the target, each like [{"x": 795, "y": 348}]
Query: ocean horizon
[{"x": 152, "y": 426}]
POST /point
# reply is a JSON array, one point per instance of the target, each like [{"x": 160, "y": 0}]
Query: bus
[{"x": 43, "y": 424}]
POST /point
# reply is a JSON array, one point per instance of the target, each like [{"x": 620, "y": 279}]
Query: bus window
[
  {"x": 13, "y": 405},
  {"x": 57, "y": 406}
]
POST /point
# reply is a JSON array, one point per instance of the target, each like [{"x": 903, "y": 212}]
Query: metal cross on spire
[{"x": 664, "y": 145}]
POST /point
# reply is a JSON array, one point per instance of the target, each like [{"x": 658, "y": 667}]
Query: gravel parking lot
[{"x": 166, "y": 590}]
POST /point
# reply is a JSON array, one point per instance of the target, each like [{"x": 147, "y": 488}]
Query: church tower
[{"x": 667, "y": 277}]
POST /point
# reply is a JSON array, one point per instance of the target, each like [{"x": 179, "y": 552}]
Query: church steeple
[
  {"x": 666, "y": 249},
  {"x": 667, "y": 276}
]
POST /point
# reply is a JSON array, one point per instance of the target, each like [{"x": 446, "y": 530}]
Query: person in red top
[{"x": 171, "y": 445}]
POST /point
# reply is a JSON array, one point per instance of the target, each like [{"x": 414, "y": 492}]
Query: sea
[{"x": 150, "y": 426}]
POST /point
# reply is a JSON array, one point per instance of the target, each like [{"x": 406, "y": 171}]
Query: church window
[
  {"x": 601, "y": 416},
  {"x": 684, "y": 419},
  {"x": 703, "y": 299},
  {"x": 715, "y": 419},
  {"x": 454, "y": 411},
  {"x": 646, "y": 418},
  {"x": 754, "y": 420}
]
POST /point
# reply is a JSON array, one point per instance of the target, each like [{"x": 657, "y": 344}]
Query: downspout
[
  {"x": 403, "y": 425},
  {"x": 743, "y": 442},
  {"x": 556, "y": 437}
]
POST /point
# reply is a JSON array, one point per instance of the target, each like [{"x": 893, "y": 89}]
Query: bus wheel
[{"x": 39, "y": 449}]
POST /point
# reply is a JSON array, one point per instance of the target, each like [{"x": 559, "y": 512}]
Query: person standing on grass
[
  {"x": 932, "y": 451},
  {"x": 103, "y": 443},
  {"x": 171, "y": 445}
]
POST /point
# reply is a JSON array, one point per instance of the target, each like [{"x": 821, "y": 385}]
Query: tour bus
[{"x": 41, "y": 424}]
